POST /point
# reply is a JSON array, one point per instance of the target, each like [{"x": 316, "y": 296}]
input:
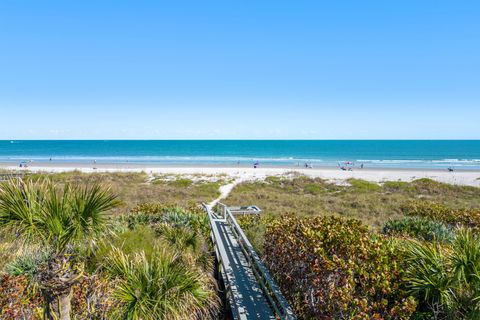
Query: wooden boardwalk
[{"x": 250, "y": 291}]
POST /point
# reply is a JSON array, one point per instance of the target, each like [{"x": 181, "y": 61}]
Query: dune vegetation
[
  {"x": 136, "y": 246},
  {"x": 372, "y": 203},
  {"x": 368, "y": 251},
  {"x": 72, "y": 254}
]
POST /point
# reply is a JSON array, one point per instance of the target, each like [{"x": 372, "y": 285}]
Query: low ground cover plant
[{"x": 419, "y": 228}]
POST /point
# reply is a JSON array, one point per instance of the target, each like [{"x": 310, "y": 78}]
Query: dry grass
[
  {"x": 369, "y": 202},
  {"x": 136, "y": 188}
]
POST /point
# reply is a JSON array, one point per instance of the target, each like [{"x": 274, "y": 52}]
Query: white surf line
[{"x": 225, "y": 191}]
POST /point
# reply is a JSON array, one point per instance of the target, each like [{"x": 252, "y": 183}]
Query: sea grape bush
[
  {"x": 334, "y": 268},
  {"x": 419, "y": 228},
  {"x": 469, "y": 218}
]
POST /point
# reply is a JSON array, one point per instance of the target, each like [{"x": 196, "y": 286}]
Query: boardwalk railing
[{"x": 277, "y": 302}]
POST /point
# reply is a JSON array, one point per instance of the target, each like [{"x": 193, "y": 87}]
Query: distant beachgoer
[
  {"x": 450, "y": 169},
  {"x": 255, "y": 165},
  {"x": 361, "y": 166}
]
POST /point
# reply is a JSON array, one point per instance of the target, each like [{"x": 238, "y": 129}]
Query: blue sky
[{"x": 239, "y": 69}]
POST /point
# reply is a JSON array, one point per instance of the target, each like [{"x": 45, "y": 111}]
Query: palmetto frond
[
  {"x": 163, "y": 286},
  {"x": 428, "y": 273},
  {"x": 47, "y": 214},
  {"x": 447, "y": 274},
  {"x": 466, "y": 257}
]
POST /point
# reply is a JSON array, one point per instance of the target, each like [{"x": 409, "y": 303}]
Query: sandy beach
[{"x": 464, "y": 177}]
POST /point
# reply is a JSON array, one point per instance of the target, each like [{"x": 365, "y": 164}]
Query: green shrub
[
  {"x": 254, "y": 228},
  {"x": 181, "y": 183},
  {"x": 274, "y": 179},
  {"x": 430, "y": 186},
  {"x": 419, "y": 228},
  {"x": 314, "y": 188},
  {"x": 363, "y": 186},
  {"x": 153, "y": 214},
  {"x": 141, "y": 238},
  {"x": 208, "y": 189},
  {"x": 397, "y": 186},
  {"x": 469, "y": 218},
  {"x": 333, "y": 268},
  {"x": 184, "y": 230}
]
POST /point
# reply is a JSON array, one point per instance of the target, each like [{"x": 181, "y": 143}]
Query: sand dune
[{"x": 471, "y": 178}]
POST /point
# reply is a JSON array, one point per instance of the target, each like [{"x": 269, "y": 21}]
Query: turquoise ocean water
[{"x": 461, "y": 154}]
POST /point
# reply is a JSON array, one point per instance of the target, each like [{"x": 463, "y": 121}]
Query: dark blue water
[{"x": 463, "y": 154}]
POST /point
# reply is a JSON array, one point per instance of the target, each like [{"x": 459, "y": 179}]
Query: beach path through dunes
[{"x": 225, "y": 191}]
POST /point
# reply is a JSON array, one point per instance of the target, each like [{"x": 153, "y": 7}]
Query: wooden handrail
[{"x": 270, "y": 289}]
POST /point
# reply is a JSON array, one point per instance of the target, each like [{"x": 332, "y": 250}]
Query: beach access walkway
[{"x": 250, "y": 291}]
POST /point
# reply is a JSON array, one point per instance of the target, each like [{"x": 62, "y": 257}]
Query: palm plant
[
  {"x": 446, "y": 277},
  {"x": 428, "y": 275},
  {"x": 64, "y": 221},
  {"x": 162, "y": 286},
  {"x": 187, "y": 241},
  {"x": 466, "y": 271}
]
